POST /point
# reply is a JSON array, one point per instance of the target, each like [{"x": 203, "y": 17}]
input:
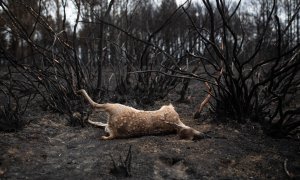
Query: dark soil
[{"x": 48, "y": 148}]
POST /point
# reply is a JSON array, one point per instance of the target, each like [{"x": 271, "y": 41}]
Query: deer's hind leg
[
  {"x": 109, "y": 137},
  {"x": 110, "y": 134}
]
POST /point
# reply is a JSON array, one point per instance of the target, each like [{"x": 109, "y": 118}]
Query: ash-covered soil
[{"x": 48, "y": 148}]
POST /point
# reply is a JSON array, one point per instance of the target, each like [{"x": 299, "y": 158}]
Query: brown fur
[{"x": 125, "y": 121}]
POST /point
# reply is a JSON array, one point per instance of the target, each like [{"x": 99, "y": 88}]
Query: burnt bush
[
  {"x": 11, "y": 109},
  {"x": 261, "y": 78},
  {"x": 142, "y": 52}
]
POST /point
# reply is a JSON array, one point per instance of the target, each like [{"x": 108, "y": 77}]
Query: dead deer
[{"x": 125, "y": 121}]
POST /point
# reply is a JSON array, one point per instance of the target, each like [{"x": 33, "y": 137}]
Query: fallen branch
[
  {"x": 204, "y": 102},
  {"x": 208, "y": 96},
  {"x": 290, "y": 175}
]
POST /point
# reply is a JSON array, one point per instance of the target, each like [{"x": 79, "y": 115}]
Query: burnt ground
[{"x": 48, "y": 148}]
